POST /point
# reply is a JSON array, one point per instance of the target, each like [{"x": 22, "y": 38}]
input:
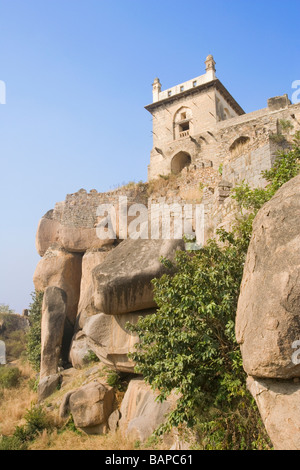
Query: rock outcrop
[
  {"x": 90, "y": 260},
  {"x": 58, "y": 268},
  {"x": 53, "y": 320},
  {"x": 268, "y": 314},
  {"x": 72, "y": 238},
  {"x": 122, "y": 283},
  {"x": 278, "y": 402},
  {"x": 108, "y": 338},
  {"x": 92, "y": 289},
  {"x": 268, "y": 319},
  {"x": 90, "y": 406},
  {"x": 141, "y": 414}
]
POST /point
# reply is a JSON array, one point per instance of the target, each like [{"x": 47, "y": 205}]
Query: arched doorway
[{"x": 180, "y": 161}]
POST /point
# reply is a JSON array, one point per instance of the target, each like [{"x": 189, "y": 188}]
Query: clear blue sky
[{"x": 78, "y": 75}]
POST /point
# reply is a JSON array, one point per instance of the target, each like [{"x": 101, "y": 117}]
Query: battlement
[{"x": 208, "y": 77}]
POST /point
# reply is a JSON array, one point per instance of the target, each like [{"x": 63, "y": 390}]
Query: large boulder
[
  {"x": 61, "y": 269},
  {"x": 90, "y": 260},
  {"x": 48, "y": 385},
  {"x": 91, "y": 405},
  {"x": 108, "y": 337},
  {"x": 268, "y": 314},
  {"x": 53, "y": 320},
  {"x": 72, "y": 238},
  {"x": 122, "y": 283},
  {"x": 79, "y": 350},
  {"x": 74, "y": 223},
  {"x": 278, "y": 402},
  {"x": 141, "y": 414}
]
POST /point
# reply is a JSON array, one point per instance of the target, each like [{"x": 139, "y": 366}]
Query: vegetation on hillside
[
  {"x": 12, "y": 332},
  {"x": 34, "y": 335},
  {"x": 189, "y": 345}
]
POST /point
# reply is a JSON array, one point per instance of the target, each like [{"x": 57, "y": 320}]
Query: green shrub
[
  {"x": 36, "y": 421},
  {"x": 33, "y": 348},
  {"x": 9, "y": 376},
  {"x": 12, "y": 443},
  {"x": 189, "y": 343},
  {"x": 114, "y": 380},
  {"x": 235, "y": 427},
  {"x": 286, "y": 124},
  {"x": 90, "y": 357}
]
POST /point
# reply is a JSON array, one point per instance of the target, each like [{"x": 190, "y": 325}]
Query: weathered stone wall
[{"x": 219, "y": 144}]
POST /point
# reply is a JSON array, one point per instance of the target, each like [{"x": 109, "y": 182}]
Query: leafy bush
[
  {"x": 114, "y": 380},
  {"x": 9, "y": 376},
  {"x": 234, "y": 427},
  {"x": 285, "y": 124},
  {"x": 36, "y": 421},
  {"x": 90, "y": 357},
  {"x": 189, "y": 344},
  {"x": 34, "y": 335}
]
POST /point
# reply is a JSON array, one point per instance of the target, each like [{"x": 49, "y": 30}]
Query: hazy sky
[{"x": 78, "y": 74}]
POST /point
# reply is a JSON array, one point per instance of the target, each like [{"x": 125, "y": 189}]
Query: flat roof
[{"x": 190, "y": 91}]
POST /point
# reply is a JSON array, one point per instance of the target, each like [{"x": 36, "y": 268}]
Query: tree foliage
[
  {"x": 189, "y": 344},
  {"x": 6, "y": 309},
  {"x": 34, "y": 334}
]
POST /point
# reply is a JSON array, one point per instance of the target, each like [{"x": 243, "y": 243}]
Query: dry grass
[
  {"x": 15, "y": 401},
  {"x": 61, "y": 436},
  {"x": 70, "y": 440},
  {"x": 170, "y": 181}
]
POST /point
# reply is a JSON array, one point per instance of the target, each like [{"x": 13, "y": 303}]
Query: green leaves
[
  {"x": 34, "y": 334},
  {"x": 188, "y": 342}
]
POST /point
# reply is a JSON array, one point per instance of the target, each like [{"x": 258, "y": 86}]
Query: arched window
[
  {"x": 182, "y": 123},
  {"x": 180, "y": 161},
  {"x": 239, "y": 145}
]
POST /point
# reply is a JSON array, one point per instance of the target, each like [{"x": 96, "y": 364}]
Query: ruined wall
[{"x": 221, "y": 146}]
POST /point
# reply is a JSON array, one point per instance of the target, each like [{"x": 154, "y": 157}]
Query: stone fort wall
[{"x": 242, "y": 147}]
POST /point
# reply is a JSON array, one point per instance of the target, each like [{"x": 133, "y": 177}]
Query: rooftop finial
[
  {"x": 156, "y": 89},
  {"x": 210, "y": 66}
]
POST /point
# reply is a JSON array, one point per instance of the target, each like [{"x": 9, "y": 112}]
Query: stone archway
[{"x": 180, "y": 161}]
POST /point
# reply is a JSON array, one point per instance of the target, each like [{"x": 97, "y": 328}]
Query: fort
[
  {"x": 199, "y": 124},
  {"x": 203, "y": 145}
]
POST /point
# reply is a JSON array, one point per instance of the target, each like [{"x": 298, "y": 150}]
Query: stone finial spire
[
  {"x": 156, "y": 89},
  {"x": 210, "y": 66}
]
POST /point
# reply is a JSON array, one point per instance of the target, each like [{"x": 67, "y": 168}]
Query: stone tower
[{"x": 181, "y": 117}]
